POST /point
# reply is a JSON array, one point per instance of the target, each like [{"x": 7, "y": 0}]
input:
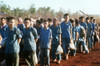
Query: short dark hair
[
  {"x": 91, "y": 18},
  {"x": 94, "y": 20},
  {"x": 41, "y": 20},
  {"x": 66, "y": 14},
  {"x": 27, "y": 19},
  {"x": 3, "y": 18},
  {"x": 49, "y": 19},
  {"x": 45, "y": 20},
  {"x": 87, "y": 18},
  {"x": 82, "y": 17},
  {"x": 38, "y": 21},
  {"x": 71, "y": 20},
  {"x": 76, "y": 21},
  {"x": 10, "y": 18}
]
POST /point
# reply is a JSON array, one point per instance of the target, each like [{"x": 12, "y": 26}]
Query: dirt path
[{"x": 91, "y": 59}]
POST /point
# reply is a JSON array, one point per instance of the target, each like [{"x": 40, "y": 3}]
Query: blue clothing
[
  {"x": 66, "y": 29},
  {"x": 65, "y": 44},
  {"x": 93, "y": 27},
  {"x": 38, "y": 31},
  {"x": 81, "y": 40},
  {"x": 3, "y": 31},
  {"x": 84, "y": 25},
  {"x": 79, "y": 31},
  {"x": 74, "y": 30},
  {"x": 89, "y": 29},
  {"x": 12, "y": 45},
  {"x": 45, "y": 36},
  {"x": 21, "y": 27},
  {"x": 55, "y": 33},
  {"x": 45, "y": 53},
  {"x": 29, "y": 36}
]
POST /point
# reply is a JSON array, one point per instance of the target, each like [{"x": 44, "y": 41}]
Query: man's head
[
  {"x": 27, "y": 22},
  {"x": 3, "y": 20},
  {"x": 46, "y": 24},
  {"x": 76, "y": 22},
  {"x": 82, "y": 19},
  {"x": 94, "y": 20},
  {"x": 66, "y": 17},
  {"x": 38, "y": 23},
  {"x": 91, "y": 19},
  {"x": 20, "y": 20},
  {"x": 55, "y": 21},
  {"x": 50, "y": 21},
  {"x": 72, "y": 21},
  {"x": 11, "y": 22},
  {"x": 87, "y": 20}
]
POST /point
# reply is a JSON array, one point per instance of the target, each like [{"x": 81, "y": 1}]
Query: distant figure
[{"x": 50, "y": 21}]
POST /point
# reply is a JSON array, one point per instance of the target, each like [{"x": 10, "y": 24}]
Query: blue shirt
[
  {"x": 45, "y": 36},
  {"x": 79, "y": 31},
  {"x": 89, "y": 25},
  {"x": 38, "y": 31},
  {"x": 21, "y": 27},
  {"x": 29, "y": 36},
  {"x": 66, "y": 28},
  {"x": 3, "y": 31},
  {"x": 55, "y": 33},
  {"x": 93, "y": 26},
  {"x": 84, "y": 25},
  {"x": 12, "y": 45},
  {"x": 74, "y": 30}
]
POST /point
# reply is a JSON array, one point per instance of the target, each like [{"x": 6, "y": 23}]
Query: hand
[{"x": 50, "y": 48}]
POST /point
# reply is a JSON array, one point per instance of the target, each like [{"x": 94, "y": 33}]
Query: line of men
[{"x": 45, "y": 36}]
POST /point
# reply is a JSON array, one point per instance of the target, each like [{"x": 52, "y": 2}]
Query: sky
[{"x": 87, "y": 6}]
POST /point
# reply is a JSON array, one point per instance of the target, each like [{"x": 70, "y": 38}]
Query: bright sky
[{"x": 87, "y": 6}]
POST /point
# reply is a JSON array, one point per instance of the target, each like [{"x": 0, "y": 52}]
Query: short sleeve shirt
[
  {"x": 45, "y": 36},
  {"x": 12, "y": 45}
]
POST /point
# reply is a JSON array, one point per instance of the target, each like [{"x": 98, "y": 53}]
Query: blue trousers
[
  {"x": 45, "y": 53},
  {"x": 65, "y": 44},
  {"x": 89, "y": 42},
  {"x": 53, "y": 51},
  {"x": 83, "y": 43}
]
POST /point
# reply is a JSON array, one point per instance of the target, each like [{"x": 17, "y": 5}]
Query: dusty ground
[{"x": 91, "y": 59}]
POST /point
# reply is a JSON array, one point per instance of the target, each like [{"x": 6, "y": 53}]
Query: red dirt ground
[{"x": 91, "y": 59}]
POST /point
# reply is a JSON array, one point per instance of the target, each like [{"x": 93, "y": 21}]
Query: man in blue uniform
[
  {"x": 12, "y": 43},
  {"x": 88, "y": 37},
  {"x": 81, "y": 37},
  {"x": 21, "y": 26},
  {"x": 66, "y": 28},
  {"x": 3, "y": 30},
  {"x": 56, "y": 34},
  {"x": 92, "y": 31},
  {"x": 45, "y": 38},
  {"x": 84, "y": 25},
  {"x": 30, "y": 37}
]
